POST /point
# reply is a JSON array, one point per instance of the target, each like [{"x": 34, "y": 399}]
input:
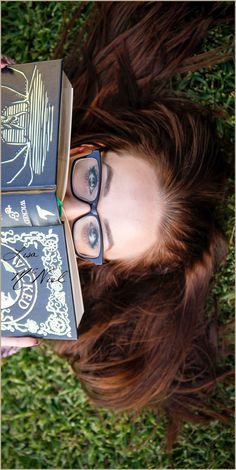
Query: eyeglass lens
[
  {"x": 87, "y": 239},
  {"x": 85, "y": 179}
]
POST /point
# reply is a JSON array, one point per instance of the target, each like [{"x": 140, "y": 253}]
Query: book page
[
  {"x": 74, "y": 272},
  {"x": 64, "y": 137}
]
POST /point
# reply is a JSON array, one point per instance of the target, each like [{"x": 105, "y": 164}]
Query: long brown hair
[{"x": 144, "y": 339}]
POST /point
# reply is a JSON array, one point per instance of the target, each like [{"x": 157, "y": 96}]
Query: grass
[{"x": 47, "y": 421}]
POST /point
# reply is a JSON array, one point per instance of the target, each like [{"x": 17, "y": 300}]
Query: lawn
[{"x": 47, "y": 421}]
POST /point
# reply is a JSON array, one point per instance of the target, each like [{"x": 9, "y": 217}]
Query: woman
[{"x": 144, "y": 339}]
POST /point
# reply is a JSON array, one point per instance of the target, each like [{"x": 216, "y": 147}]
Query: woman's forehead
[{"x": 133, "y": 205}]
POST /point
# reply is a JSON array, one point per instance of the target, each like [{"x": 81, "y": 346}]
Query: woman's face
[{"x": 129, "y": 207}]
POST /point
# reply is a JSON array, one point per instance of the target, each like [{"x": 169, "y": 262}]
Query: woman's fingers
[
  {"x": 6, "y": 61},
  {"x": 19, "y": 342}
]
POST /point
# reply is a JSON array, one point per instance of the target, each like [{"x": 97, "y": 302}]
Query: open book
[{"x": 41, "y": 292}]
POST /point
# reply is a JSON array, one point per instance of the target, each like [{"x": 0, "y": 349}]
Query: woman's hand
[{"x": 19, "y": 342}]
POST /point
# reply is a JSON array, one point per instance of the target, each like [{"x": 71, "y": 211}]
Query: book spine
[{"x": 22, "y": 209}]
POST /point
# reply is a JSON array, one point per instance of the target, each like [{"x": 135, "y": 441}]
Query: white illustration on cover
[
  {"x": 12, "y": 214},
  {"x": 58, "y": 322},
  {"x": 43, "y": 213},
  {"x": 28, "y": 124}
]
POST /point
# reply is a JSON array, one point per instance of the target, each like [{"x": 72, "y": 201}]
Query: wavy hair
[{"x": 145, "y": 338}]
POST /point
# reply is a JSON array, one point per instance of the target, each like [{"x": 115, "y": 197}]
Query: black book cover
[
  {"x": 30, "y": 110},
  {"x": 36, "y": 297}
]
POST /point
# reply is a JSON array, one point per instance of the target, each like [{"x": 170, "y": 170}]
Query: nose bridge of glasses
[{"x": 87, "y": 207}]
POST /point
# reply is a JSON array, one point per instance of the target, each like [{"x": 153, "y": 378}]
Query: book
[{"x": 41, "y": 291}]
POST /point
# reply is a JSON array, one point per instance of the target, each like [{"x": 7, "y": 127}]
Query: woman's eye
[
  {"x": 92, "y": 178},
  {"x": 93, "y": 235}
]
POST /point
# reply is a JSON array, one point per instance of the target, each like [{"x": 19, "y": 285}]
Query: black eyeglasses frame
[{"x": 93, "y": 205}]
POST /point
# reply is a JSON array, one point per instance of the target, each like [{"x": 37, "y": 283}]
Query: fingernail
[{"x": 36, "y": 344}]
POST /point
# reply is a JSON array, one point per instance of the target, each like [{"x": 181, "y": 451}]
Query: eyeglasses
[{"x": 86, "y": 176}]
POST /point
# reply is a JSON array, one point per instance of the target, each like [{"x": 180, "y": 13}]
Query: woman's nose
[
  {"x": 75, "y": 208},
  {"x": 82, "y": 208}
]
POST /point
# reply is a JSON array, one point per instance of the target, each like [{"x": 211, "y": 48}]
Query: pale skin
[{"x": 132, "y": 208}]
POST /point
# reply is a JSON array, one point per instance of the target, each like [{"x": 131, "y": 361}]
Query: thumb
[{"x": 19, "y": 342}]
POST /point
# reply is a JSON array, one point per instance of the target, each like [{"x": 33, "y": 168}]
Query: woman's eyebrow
[
  {"x": 108, "y": 180},
  {"x": 108, "y": 233}
]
